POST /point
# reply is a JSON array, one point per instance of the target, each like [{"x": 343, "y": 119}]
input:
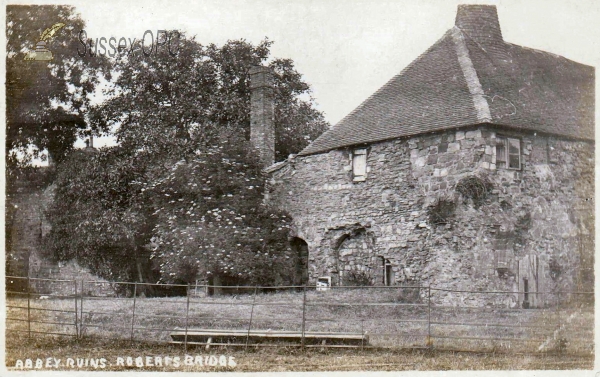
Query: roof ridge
[
  {"x": 481, "y": 105},
  {"x": 276, "y": 166},
  {"x": 552, "y": 54}
]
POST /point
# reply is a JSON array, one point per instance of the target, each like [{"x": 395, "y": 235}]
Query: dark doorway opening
[
  {"x": 384, "y": 273},
  {"x": 300, "y": 248}
]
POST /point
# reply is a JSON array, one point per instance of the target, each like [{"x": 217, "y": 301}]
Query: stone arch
[
  {"x": 300, "y": 248},
  {"x": 352, "y": 251}
]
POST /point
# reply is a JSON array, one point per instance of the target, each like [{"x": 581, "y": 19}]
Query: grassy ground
[
  {"x": 286, "y": 359},
  {"x": 388, "y": 321}
]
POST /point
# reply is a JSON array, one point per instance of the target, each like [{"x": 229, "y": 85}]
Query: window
[
  {"x": 388, "y": 273},
  {"x": 359, "y": 165},
  {"x": 508, "y": 153},
  {"x": 384, "y": 273},
  {"x": 501, "y": 153},
  {"x": 323, "y": 283}
]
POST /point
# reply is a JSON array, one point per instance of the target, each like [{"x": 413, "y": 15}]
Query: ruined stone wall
[
  {"x": 535, "y": 223},
  {"x": 26, "y": 257}
]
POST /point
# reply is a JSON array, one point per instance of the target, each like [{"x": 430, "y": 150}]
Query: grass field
[
  {"x": 389, "y": 322},
  {"x": 290, "y": 359}
]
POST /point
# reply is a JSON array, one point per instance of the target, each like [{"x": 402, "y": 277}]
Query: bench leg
[
  {"x": 208, "y": 342},
  {"x": 323, "y": 342}
]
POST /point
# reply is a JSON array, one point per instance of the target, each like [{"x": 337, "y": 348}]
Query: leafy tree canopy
[
  {"x": 45, "y": 100},
  {"x": 173, "y": 105},
  {"x": 97, "y": 215},
  {"x": 211, "y": 220},
  {"x": 183, "y": 188}
]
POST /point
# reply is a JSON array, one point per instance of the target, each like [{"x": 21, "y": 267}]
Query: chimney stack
[
  {"x": 262, "y": 114},
  {"x": 480, "y": 23}
]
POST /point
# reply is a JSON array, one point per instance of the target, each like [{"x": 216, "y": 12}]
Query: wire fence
[{"x": 303, "y": 316}]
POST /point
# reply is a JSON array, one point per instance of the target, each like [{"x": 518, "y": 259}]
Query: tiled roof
[{"x": 472, "y": 76}]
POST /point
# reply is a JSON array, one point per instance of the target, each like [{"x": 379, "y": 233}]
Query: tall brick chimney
[{"x": 262, "y": 114}]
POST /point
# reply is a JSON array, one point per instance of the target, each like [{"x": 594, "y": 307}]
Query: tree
[
  {"x": 184, "y": 182},
  {"x": 173, "y": 105},
  {"x": 98, "y": 216},
  {"x": 45, "y": 100},
  {"x": 212, "y": 222}
]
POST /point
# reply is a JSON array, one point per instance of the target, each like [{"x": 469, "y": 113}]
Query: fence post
[
  {"x": 558, "y": 312},
  {"x": 133, "y": 311},
  {"x": 28, "y": 307},
  {"x": 76, "y": 310},
  {"x": 362, "y": 332},
  {"x": 81, "y": 320},
  {"x": 187, "y": 312},
  {"x": 429, "y": 340},
  {"x": 251, "y": 315},
  {"x": 303, "y": 317}
]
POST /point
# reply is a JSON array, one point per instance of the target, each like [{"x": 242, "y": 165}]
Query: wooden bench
[{"x": 210, "y": 337}]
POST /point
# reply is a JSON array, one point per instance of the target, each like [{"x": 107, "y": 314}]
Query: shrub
[
  {"x": 555, "y": 268},
  {"x": 474, "y": 188},
  {"x": 441, "y": 211},
  {"x": 357, "y": 278},
  {"x": 522, "y": 226}
]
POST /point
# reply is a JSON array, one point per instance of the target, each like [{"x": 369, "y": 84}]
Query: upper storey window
[
  {"x": 359, "y": 165},
  {"x": 508, "y": 153}
]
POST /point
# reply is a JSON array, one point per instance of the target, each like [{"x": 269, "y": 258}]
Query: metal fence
[{"x": 388, "y": 317}]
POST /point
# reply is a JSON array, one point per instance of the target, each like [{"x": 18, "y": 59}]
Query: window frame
[
  {"x": 384, "y": 272},
  {"x": 505, "y": 143},
  {"x": 359, "y": 152}
]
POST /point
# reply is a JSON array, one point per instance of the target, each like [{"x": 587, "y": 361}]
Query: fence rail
[{"x": 391, "y": 317}]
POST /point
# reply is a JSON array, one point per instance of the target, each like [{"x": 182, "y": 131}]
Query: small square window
[
  {"x": 359, "y": 165},
  {"x": 508, "y": 153}
]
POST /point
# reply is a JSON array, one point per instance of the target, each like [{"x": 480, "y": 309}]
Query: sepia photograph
[{"x": 299, "y": 186}]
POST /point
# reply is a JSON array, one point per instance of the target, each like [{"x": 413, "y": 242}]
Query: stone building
[{"x": 472, "y": 169}]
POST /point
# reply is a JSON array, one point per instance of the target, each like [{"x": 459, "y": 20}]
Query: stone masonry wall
[
  {"x": 536, "y": 223},
  {"x": 26, "y": 257}
]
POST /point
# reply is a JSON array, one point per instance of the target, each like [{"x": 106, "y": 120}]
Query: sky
[{"x": 347, "y": 49}]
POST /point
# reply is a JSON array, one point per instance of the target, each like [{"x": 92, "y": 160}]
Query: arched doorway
[
  {"x": 300, "y": 248},
  {"x": 353, "y": 258}
]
